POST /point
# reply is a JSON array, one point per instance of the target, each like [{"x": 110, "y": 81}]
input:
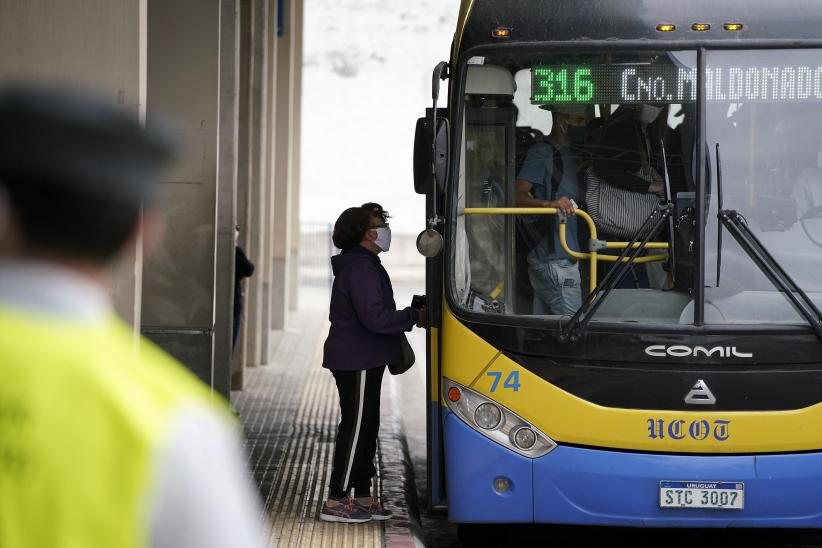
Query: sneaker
[
  {"x": 345, "y": 512},
  {"x": 374, "y": 507}
]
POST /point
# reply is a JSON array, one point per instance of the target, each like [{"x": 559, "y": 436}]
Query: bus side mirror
[{"x": 430, "y": 165}]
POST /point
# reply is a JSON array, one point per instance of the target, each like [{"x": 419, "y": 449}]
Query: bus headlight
[
  {"x": 495, "y": 422},
  {"x": 487, "y": 416},
  {"x": 524, "y": 438}
]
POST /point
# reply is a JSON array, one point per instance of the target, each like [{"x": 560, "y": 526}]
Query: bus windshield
[
  {"x": 564, "y": 157},
  {"x": 764, "y": 109}
]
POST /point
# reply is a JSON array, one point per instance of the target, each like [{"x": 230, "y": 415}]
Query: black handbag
[{"x": 407, "y": 357}]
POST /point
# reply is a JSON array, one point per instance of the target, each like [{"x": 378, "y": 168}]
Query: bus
[{"x": 682, "y": 385}]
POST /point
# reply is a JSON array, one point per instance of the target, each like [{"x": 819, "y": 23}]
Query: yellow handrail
[{"x": 593, "y": 256}]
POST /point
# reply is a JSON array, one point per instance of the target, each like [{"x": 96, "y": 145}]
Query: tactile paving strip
[{"x": 290, "y": 413}]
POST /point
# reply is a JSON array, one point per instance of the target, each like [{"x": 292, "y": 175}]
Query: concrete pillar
[
  {"x": 258, "y": 152},
  {"x": 183, "y": 81},
  {"x": 294, "y": 161},
  {"x": 282, "y": 181},
  {"x": 226, "y": 218},
  {"x": 239, "y": 360},
  {"x": 94, "y": 44},
  {"x": 268, "y": 183},
  {"x": 239, "y": 149}
]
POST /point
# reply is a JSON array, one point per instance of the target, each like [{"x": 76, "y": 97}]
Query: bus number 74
[{"x": 511, "y": 381}]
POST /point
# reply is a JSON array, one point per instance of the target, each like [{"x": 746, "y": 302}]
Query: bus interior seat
[{"x": 653, "y": 306}]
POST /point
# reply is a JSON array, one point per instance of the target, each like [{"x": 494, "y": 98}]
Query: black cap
[{"x": 78, "y": 142}]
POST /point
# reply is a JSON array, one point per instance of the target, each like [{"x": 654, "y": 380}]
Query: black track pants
[{"x": 357, "y": 433}]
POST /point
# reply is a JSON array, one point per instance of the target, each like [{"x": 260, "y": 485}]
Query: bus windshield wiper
[
  {"x": 656, "y": 220},
  {"x": 719, "y": 224},
  {"x": 738, "y": 228}
]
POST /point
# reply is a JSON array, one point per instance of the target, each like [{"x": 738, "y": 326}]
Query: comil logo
[{"x": 682, "y": 351}]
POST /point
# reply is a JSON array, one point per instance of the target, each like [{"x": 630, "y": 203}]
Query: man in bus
[{"x": 548, "y": 178}]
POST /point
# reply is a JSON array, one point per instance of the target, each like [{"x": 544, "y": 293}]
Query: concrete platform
[{"x": 290, "y": 413}]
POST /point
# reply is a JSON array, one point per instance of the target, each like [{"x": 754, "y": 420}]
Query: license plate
[{"x": 714, "y": 495}]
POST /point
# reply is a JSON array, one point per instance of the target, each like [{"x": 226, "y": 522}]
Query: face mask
[
  {"x": 383, "y": 240},
  {"x": 648, "y": 113}
]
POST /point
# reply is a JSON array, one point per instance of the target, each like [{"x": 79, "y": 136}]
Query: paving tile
[{"x": 290, "y": 413}]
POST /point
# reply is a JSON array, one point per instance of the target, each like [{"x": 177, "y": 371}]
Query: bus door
[{"x": 489, "y": 154}]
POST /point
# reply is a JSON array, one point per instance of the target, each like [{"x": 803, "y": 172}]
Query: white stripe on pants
[{"x": 360, "y": 402}]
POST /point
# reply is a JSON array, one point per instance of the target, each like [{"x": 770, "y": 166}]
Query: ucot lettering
[{"x": 697, "y": 430}]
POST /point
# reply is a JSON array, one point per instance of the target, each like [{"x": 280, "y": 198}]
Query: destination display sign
[{"x": 646, "y": 83}]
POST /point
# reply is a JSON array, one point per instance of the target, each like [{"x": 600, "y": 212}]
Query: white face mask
[
  {"x": 648, "y": 113},
  {"x": 383, "y": 240}
]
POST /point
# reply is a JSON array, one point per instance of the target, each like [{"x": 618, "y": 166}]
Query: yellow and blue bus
[{"x": 683, "y": 388}]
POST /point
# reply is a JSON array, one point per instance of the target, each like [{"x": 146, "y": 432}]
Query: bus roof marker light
[
  {"x": 733, "y": 26},
  {"x": 665, "y": 27},
  {"x": 501, "y": 32},
  {"x": 454, "y": 394},
  {"x": 701, "y": 27}
]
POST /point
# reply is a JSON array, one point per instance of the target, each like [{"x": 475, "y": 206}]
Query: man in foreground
[{"x": 101, "y": 443}]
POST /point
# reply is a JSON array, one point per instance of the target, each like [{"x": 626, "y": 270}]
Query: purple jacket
[{"x": 365, "y": 322}]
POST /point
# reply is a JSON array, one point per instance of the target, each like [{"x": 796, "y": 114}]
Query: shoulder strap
[{"x": 556, "y": 173}]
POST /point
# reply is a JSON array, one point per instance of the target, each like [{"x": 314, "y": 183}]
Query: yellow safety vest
[{"x": 82, "y": 418}]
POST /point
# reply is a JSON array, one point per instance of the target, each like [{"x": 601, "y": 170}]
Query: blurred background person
[
  {"x": 243, "y": 268},
  {"x": 100, "y": 444}
]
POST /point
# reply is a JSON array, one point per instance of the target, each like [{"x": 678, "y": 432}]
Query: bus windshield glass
[
  {"x": 563, "y": 159},
  {"x": 764, "y": 109}
]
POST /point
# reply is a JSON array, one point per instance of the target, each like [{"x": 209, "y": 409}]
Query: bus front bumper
[{"x": 596, "y": 487}]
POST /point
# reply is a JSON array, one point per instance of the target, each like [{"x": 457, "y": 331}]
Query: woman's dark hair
[
  {"x": 350, "y": 228},
  {"x": 354, "y": 222},
  {"x": 376, "y": 210}
]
